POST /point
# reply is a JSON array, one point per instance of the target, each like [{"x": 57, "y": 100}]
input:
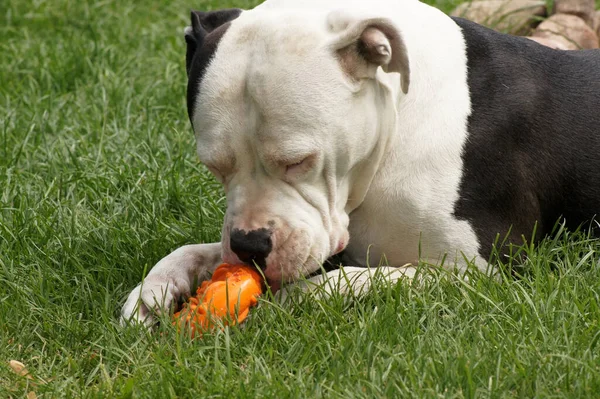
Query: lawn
[{"x": 99, "y": 180}]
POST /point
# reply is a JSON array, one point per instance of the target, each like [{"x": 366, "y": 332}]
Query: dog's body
[{"x": 383, "y": 128}]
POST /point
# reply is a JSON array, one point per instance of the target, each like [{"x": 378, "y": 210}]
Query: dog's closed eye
[
  {"x": 296, "y": 169},
  {"x": 294, "y": 166}
]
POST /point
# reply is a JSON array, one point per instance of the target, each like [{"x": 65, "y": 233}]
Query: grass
[{"x": 99, "y": 180}]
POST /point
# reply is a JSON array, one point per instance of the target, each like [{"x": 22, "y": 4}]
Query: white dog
[{"x": 381, "y": 127}]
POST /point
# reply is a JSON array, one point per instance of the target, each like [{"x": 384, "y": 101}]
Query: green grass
[{"x": 99, "y": 180}]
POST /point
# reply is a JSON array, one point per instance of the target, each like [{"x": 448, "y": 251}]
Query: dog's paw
[
  {"x": 348, "y": 281},
  {"x": 151, "y": 298},
  {"x": 342, "y": 281}
]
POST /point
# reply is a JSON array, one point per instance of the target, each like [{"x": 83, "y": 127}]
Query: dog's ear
[
  {"x": 362, "y": 45},
  {"x": 204, "y": 23}
]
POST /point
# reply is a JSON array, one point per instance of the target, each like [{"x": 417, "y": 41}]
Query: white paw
[
  {"x": 155, "y": 295},
  {"x": 352, "y": 281},
  {"x": 343, "y": 281}
]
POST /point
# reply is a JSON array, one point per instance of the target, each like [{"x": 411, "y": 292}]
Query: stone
[
  {"x": 584, "y": 9},
  {"x": 597, "y": 22},
  {"x": 549, "y": 42},
  {"x": 509, "y": 16},
  {"x": 569, "y": 30}
]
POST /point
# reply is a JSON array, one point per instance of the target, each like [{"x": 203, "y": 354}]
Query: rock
[
  {"x": 571, "y": 31},
  {"x": 548, "y": 42},
  {"x": 584, "y": 9},
  {"x": 510, "y": 16},
  {"x": 597, "y": 22}
]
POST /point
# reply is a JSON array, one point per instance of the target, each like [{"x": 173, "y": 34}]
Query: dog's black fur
[
  {"x": 533, "y": 151},
  {"x": 207, "y": 30}
]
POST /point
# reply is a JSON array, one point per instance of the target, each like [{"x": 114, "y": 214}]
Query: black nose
[{"x": 251, "y": 247}]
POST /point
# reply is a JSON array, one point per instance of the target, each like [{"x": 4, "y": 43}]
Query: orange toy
[{"x": 228, "y": 297}]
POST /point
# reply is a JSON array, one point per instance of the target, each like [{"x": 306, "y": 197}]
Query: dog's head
[{"x": 290, "y": 113}]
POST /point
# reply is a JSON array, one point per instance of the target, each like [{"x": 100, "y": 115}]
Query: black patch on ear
[
  {"x": 191, "y": 47},
  {"x": 202, "y": 40}
]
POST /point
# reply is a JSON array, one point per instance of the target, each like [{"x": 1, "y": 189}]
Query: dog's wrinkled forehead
[
  {"x": 202, "y": 39},
  {"x": 252, "y": 56}
]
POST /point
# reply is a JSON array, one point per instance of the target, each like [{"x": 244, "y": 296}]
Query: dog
[{"x": 379, "y": 129}]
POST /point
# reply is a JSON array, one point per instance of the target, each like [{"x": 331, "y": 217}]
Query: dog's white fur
[{"x": 325, "y": 160}]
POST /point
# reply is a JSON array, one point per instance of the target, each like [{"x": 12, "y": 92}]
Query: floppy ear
[
  {"x": 204, "y": 23},
  {"x": 363, "y": 45}
]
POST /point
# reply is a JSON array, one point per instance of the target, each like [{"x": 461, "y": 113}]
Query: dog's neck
[
  {"x": 425, "y": 127},
  {"x": 362, "y": 175},
  {"x": 420, "y": 153}
]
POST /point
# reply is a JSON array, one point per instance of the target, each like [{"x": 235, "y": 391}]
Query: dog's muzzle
[{"x": 251, "y": 247}]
